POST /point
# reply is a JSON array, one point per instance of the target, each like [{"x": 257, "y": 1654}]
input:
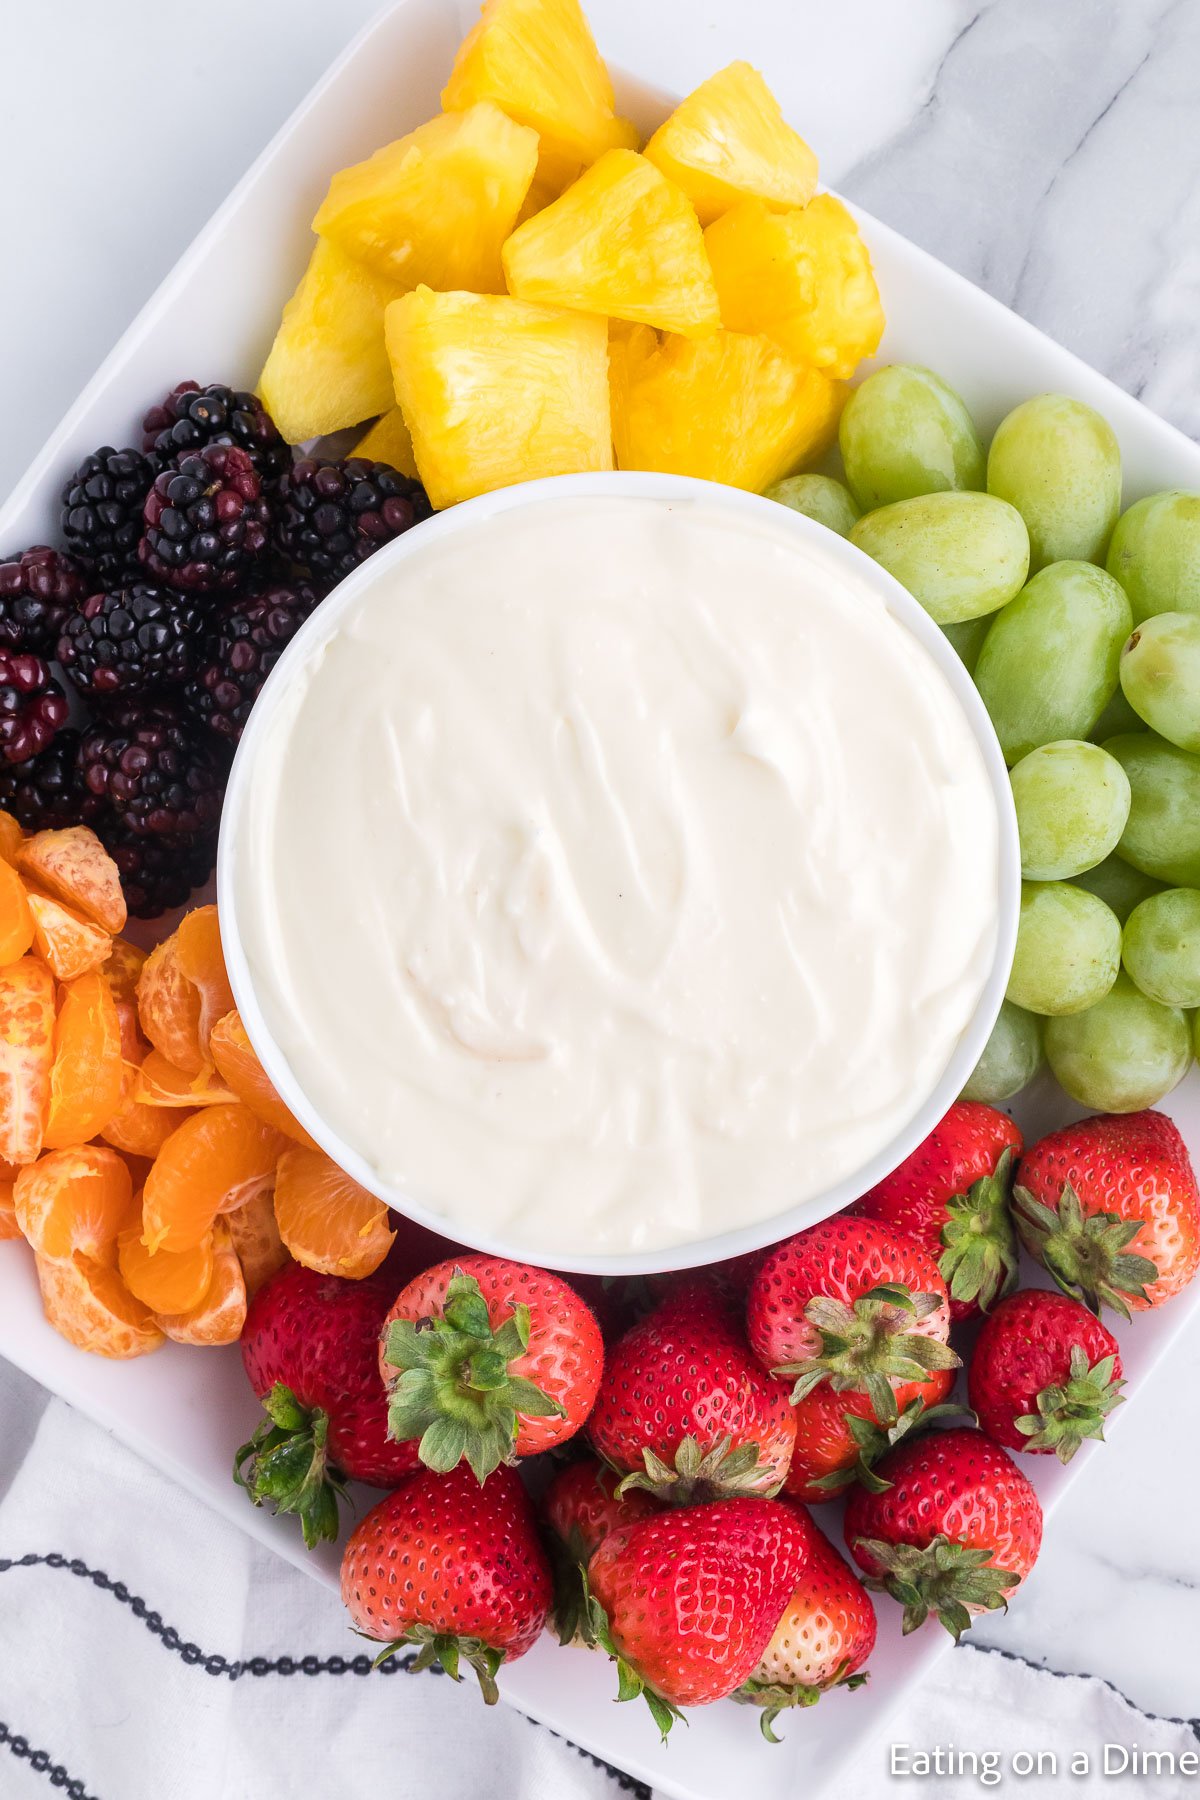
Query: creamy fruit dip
[{"x": 618, "y": 873}]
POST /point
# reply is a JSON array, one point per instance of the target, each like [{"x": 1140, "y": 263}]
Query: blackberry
[
  {"x": 33, "y": 708},
  {"x": 102, "y": 512},
  {"x": 242, "y": 647},
  {"x": 132, "y": 641},
  {"x": 206, "y": 522},
  {"x": 48, "y": 791},
  {"x": 155, "y": 770},
  {"x": 191, "y": 417},
  {"x": 38, "y": 590},
  {"x": 157, "y": 874},
  {"x": 330, "y": 516}
]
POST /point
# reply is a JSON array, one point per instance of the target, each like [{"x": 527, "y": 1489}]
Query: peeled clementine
[
  {"x": 214, "y": 1162},
  {"x": 26, "y": 1057},
  {"x": 89, "y": 1305},
  {"x": 328, "y": 1222},
  {"x": 87, "y": 1077},
  {"x": 74, "y": 1200},
  {"x": 74, "y": 866},
  {"x": 240, "y": 1070},
  {"x": 218, "y": 1318}
]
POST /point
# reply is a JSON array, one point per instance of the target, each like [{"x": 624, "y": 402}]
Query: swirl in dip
[{"x": 615, "y": 872}]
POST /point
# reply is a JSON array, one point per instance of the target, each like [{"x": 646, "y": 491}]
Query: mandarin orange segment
[
  {"x": 219, "y": 1317},
  {"x": 89, "y": 1305},
  {"x": 240, "y": 1069},
  {"x": 255, "y": 1234},
  {"x": 169, "y": 1007},
  {"x": 74, "y": 1201},
  {"x": 26, "y": 1057},
  {"x": 74, "y": 866},
  {"x": 123, "y": 969},
  {"x": 328, "y": 1222},
  {"x": 67, "y": 943},
  {"x": 202, "y": 961},
  {"x": 16, "y": 920},
  {"x": 140, "y": 1130},
  {"x": 214, "y": 1162},
  {"x": 170, "y": 1281},
  {"x": 9, "y": 1228},
  {"x": 87, "y": 1078},
  {"x": 160, "y": 1083},
  {"x": 11, "y": 837}
]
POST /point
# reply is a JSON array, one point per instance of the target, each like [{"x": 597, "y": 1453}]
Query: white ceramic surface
[{"x": 185, "y": 1411}]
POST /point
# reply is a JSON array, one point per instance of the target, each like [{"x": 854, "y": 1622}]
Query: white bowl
[{"x": 324, "y": 624}]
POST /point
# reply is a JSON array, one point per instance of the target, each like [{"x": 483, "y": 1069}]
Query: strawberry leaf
[
  {"x": 943, "y": 1577},
  {"x": 866, "y": 1346},
  {"x": 696, "y": 1474},
  {"x": 1086, "y": 1252},
  {"x": 285, "y": 1465}
]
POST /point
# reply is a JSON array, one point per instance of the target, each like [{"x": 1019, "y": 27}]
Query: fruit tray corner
[{"x": 214, "y": 317}]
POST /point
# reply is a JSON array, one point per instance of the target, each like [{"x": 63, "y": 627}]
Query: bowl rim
[{"x": 741, "y": 1239}]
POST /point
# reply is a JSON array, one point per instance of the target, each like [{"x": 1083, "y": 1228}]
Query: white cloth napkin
[{"x": 150, "y": 1651}]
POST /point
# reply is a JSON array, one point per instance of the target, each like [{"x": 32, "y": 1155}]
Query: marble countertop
[{"x": 1047, "y": 151}]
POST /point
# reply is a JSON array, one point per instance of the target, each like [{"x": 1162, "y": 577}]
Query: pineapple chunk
[
  {"x": 495, "y": 391},
  {"x": 389, "y": 441},
  {"x": 538, "y": 60},
  {"x": 328, "y": 367},
  {"x": 622, "y": 241},
  {"x": 436, "y": 205},
  {"x": 725, "y": 408},
  {"x": 803, "y": 278},
  {"x": 729, "y": 141}
]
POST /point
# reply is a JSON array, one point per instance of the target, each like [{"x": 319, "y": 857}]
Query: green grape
[
  {"x": 1059, "y": 464},
  {"x": 960, "y": 555},
  {"x": 1068, "y": 949},
  {"x": 1162, "y": 835},
  {"x": 1160, "y": 676},
  {"x": 1161, "y": 946},
  {"x": 1072, "y": 801},
  {"x": 1049, "y": 662},
  {"x": 1119, "y": 885},
  {"x": 1196, "y": 1035},
  {"x": 967, "y": 638},
  {"x": 903, "y": 433},
  {"x": 1117, "y": 718},
  {"x": 818, "y": 497},
  {"x": 1122, "y": 1054},
  {"x": 1011, "y": 1057},
  {"x": 1155, "y": 554}
]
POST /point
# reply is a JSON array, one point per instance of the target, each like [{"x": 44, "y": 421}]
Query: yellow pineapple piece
[
  {"x": 496, "y": 391},
  {"x": 389, "y": 441},
  {"x": 537, "y": 60},
  {"x": 729, "y": 141},
  {"x": 436, "y": 205},
  {"x": 803, "y": 278},
  {"x": 328, "y": 367},
  {"x": 622, "y": 240},
  {"x": 725, "y": 408}
]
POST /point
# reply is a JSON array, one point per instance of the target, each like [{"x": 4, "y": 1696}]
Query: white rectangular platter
[{"x": 184, "y": 1410}]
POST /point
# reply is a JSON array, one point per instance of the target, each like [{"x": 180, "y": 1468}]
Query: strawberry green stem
[
  {"x": 630, "y": 1685},
  {"x": 874, "y": 1439},
  {"x": 775, "y": 1697},
  {"x": 1086, "y": 1252},
  {"x": 979, "y": 1262},
  {"x": 450, "y": 1652},
  {"x": 285, "y": 1465},
  {"x": 1076, "y": 1410},
  {"x": 696, "y": 1474},
  {"x": 865, "y": 1345},
  {"x": 943, "y": 1578}
]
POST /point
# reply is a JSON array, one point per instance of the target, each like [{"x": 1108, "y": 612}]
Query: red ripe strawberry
[
  {"x": 452, "y": 1565},
  {"x": 839, "y": 1440},
  {"x": 687, "y": 1601},
  {"x": 952, "y": 1195},
  {"x": 684, "y": 1408},
  {"x": 958, "y": 1526},
  {"x": 310, "y": 1348},
  {"x": 1110, "y": 1207},
  {"x": 1045, "y": 1374},
  {"x": 855, "y": 1304},
  {"x": 580, "y": 1507},
  {"x": 486, "y": 1360},
  {"x": 826, "y": 1634}
]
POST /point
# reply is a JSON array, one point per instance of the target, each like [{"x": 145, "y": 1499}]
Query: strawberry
[
  {"x": 957, "y": 1527},
  {"x": 826, "y": 1634},
  {"x": 1045, "y": 1374},
  {"x": 685, "y": 1411},
  {"x": 488, "y": 1359},
  {"x": 686, "y": 1602},
  {"x": 855, "y": 1304},
  {"x": 310, "y": 1349},
  {"x": 952, "y": 1195},
  {"x": 580, "y": 1507},
  {"x": 1110, "y": 1207},
  {"x": 839, "y": 1440},
  {"x": 453, "y": 1565}
]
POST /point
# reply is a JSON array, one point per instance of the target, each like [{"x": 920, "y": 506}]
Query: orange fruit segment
[
  {"x": 74, "y": 1201},
  {"x": 169, "y": 1007},
  {"x": 220, "y": 1315},
  {"x": 328, "y": 1222},
  {"x": 170, "y": 1281},
  {"x": 123, "y": 969},
  {"x": 67, "y": 943},
  {"x": 87, "y": 1077},
  {"x": 240, "y": 1070},
  {"x": 160, "y": 1083},
  {"x": 141, "y": 1130},
  {"x": 202, "y": 962},
  {"x": 9, "y": 1228},
  {"x": 16, "y": 920},
  {"x": 74, "y": 866},
  {"x": 11, "y": 837},
  {"x": 214, "y": 1162},
  {"x": 26, "y": 1057},
  {"x": 91, "y": 1307},
  {"x": 255, "y": 1235}
]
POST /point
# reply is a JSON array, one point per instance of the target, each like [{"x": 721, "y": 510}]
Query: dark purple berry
[
  {"x": 330, "y": 516},
  {"x": 160, "y": 776},
  {"x": 48, "y": 791},
  {"x": 33, "y": 708},
  {"x": 157, "y": 874},
  {"x": 102, "y": 512},
  {"x": 207, "y": 524},
  {"x": 191, "y": 417},
  {"x": 134, "y": 641},
  {"x": 241, "y": 648},
  {"x": 39, "y": 589}
]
